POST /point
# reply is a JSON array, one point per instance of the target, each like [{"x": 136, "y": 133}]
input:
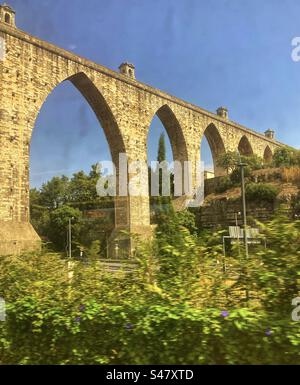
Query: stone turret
[
  {"x": 7, "y": 15},
  {"x": 223, "y": 112},
  {"x": 127, "y": 69},
  {"x": 270, "y": 134}
]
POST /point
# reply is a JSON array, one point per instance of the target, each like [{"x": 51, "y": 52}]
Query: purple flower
[
  {"x": 129, "y": 326},
  {"x": 268, "y": 332},
  {"x": 82, "y": 308},
  {"x": 78, "y": 319},
  {"x": 224, "y": 313}
]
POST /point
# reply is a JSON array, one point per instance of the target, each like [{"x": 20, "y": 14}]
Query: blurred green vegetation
[
  {"x": 177, "y": 306},
  {"x": 261, "y": 192}
]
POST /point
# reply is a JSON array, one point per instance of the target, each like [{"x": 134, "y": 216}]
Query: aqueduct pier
[{"x": 31, "y": 68}]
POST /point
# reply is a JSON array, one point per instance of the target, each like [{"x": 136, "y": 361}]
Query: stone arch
[
  {"x": 101, "y": 109},
  {"x": 174, "y": 131},
  {"x": 245, "y": 147},
  {"x": 7, "y": 18},
  {"x": 108, "y": 122},
  {"x": 268, "y": 155},
  {"x": 178, "y": 145},
  {"x": 216, "y": 145}
]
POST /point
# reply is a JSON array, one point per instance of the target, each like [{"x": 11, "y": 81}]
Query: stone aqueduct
[{"x": 31, "y": 68}]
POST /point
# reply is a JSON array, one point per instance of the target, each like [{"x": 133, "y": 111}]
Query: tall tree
[
  {"x": 162, "y": 202},
  {"x": 54, "y": 193},
  {"x": 161, "y": 155}
]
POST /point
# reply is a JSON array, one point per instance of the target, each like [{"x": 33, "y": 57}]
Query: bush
[
  {"x": 229, "y": 160},
  {"x": 286, "y": 157},
  {"x": 223, "y": 185},
  {"x": 176, "y": 307},
  {"x": 296, "y": 205},
  {"x": 235, "y": 176},
  {"x": 259, "y": 192},
  {"x": 254, "y": 162},
  {"x": 59, "y": 221}
]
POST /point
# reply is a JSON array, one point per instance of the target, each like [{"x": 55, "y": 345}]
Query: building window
[{"x": 7, "y": 18}]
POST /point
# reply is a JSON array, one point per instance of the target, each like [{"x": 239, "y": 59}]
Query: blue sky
[{"x": 235, "y": 53}]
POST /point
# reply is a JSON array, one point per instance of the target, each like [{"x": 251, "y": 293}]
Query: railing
[{"x": 236, "y": 234}]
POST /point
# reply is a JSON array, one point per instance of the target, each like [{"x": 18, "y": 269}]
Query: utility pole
[
  {"x": 242, "y": 168},
  {"x": 238, "y": 230},
  {"x": 70, "y": 237}
]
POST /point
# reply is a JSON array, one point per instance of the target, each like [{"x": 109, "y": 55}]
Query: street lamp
[
  {"x": 70, "y": 237},
  {"x": 242, "y": 166}
]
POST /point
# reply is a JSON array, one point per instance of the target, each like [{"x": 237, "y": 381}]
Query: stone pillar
[
  {"x": 16, "y": 232},
  {"x": 132, "y": 216}
]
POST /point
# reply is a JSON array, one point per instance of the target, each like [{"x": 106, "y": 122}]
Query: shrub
[
  {"x": 235, "y": 177},
  {"x": 285, "y": 157},
  {"x": 223, "y": 185},
  {"x": 261, "y": 192},
  {"x": 296, "y": 205},
  {"x": 228, "y": 161},
  {"x": 59, "y": 220},
  {"x": 176, "y": 307},
  {"x": 254, "y": 162}
]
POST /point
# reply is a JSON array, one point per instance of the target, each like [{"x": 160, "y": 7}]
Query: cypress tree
[{"x": 161, "y": 155}]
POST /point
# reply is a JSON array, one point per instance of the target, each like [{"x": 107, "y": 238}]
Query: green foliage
[
  {"x": 277, "y": 277},
  {"x": 230, "y": 159},
  {"x": 286, "y": 157},
  {"x": 39, "y": 214},
  {"x": 176, "y": 307},
  {"x": 235, "y": 176},
  {"x": 161, "y": 155},
  {"x": 59, "y": 220},
  {"x": 254, "y": 162},
  {"x": 261, "y": 192},
  {"x": 160, "y": 204},
  {"x": 94, "y": 251},
  {"x": 53, "y": 193},
  {"x": 296, "y": 204},
  {"x": 224, "y": 184},
  {"x": 78, "y": 194}
]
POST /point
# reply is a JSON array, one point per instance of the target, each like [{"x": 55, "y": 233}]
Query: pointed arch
[
  {"x": 268, "y": 155},
  {"x": 174, "y": 131},
  {"x": 245, "y": 147},
  {"x": 216, "y": 145},
  {"x": 108, "y": 122},
  {"x": 177, "y": 142},
  {"x": 101, "y": 109}
]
